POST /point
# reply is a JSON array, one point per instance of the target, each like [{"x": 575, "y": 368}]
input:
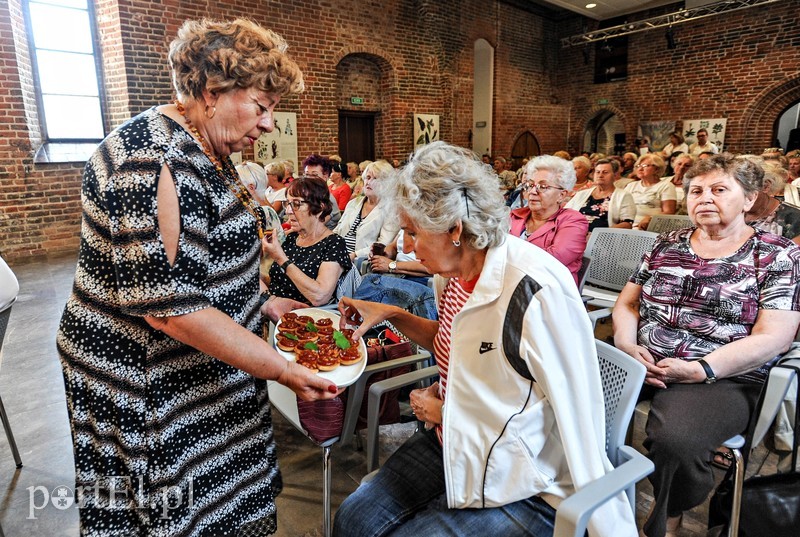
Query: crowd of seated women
[{"x": 707, "y": 312}]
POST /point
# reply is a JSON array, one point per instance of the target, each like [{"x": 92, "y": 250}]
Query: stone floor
[{"x": 32, "y": 389}]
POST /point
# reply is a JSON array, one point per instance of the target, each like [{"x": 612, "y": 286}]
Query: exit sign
[
  {"x": 356, "y": 100},
  {"x": 602, "y": 101}
]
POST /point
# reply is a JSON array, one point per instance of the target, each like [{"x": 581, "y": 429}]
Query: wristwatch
[
  {"x": 392, "y": 266},
  {"x": 286, "y": 264},
  {"x": 711, "y": 378}
]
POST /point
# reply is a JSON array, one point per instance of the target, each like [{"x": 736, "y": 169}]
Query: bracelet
[
  {"x": 285, "y": 264},
  {"x": 263, "y": 297}
]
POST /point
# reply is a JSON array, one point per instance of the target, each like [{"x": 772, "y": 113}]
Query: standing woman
[
  {"x": 364, "y": 220},
  {"x": 158, "y": 340},
  {"x": 544, "y": 221},
  {"x": 651, "y": 194}
]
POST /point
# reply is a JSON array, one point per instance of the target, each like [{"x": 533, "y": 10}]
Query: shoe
[{"x": 723, "y": 458}]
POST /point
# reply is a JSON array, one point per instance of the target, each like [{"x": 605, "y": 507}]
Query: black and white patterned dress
[{"x": 167, "y": 420}]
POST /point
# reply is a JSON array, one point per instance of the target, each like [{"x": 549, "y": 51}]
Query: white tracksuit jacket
[{"x": 524, "y": 411}]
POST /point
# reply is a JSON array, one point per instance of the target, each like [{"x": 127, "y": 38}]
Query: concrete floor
[{"x": 32, "y": 389}]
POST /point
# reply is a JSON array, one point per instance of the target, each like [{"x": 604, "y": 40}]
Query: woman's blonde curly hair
[{"x": 220, "y": 56}]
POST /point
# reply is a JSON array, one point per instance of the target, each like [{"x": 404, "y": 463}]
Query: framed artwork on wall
[
  {"x": 281, "y": 143},
  {"x": 426, "y": 129},
  {"x": 657, "y": 132},
  {"x": 715, "y": 127}
]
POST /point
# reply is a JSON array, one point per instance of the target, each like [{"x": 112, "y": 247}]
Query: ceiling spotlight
[{"x": 591, "y": 6}]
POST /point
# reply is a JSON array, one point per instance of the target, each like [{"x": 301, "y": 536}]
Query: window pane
[
  {"x": 60, "y": 28},
  {"x": 73, "y": 117},
  {"x": 80, "y": 4},
  {"x": 65, "y": 73}
]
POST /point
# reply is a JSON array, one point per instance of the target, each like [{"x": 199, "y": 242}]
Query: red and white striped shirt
[{"x": 453, "y": 298}]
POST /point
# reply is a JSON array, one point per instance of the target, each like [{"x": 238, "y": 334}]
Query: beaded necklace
[{"x": 227, "y": 172}]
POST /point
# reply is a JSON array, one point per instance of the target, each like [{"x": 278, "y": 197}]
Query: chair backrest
[
  {"x": 4, "y": 316},
  {"x": 583, "y": 272},
  {"x": 615, "y": 255},
  {"x": 622, "y": 378},
  {"x": 662, "y": 223}
]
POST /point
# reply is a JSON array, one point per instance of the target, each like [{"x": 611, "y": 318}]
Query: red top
[{"x": 342, "y": 194}]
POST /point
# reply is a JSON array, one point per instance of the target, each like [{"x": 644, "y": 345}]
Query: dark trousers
[{"x": 686, "y": 425}]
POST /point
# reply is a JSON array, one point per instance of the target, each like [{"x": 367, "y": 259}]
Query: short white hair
[
  {"x": 253, "y": 175},
  {"x": 563, "y": 171},
  {"x": 443, "y": 184}
]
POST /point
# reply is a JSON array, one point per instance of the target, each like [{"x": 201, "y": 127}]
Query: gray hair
[
  {"x": 252, "y": 173},
  {"x": 583, "y": 161},
  {"x": 277, "y": 169},
  {"x": 443, "y": 184},
  {"x": 381, "y": 168},
  {"x": 746, "y": 172},
  {"x": 655, "y": 160},
  {"x": 563, "y": 171}
]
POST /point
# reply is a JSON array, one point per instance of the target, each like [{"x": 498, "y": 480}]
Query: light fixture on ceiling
[{"x": 591, "y": 6}]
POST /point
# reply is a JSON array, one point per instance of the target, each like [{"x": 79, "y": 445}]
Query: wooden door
[{"x": 356, "y": 136}]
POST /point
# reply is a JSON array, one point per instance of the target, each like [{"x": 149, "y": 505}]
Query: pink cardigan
[{"x": 563, "y": 235}]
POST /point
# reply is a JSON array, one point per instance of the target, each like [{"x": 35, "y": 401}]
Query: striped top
[{"x": 455, "y": 295}]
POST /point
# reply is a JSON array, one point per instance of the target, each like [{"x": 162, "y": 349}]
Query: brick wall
[{"x": 403, "y": 57}]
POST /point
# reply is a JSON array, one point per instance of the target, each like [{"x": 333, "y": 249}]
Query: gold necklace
[{"x": 229, "y": 175}]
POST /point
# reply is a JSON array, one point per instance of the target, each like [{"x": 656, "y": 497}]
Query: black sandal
[{"x": 723, "y": 459}]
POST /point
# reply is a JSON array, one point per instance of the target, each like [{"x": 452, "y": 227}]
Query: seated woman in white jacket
[
  {"x": 604, "y": 205},
  {"x": 516, "y": 422},
  {"x": 364, "y": 221}
]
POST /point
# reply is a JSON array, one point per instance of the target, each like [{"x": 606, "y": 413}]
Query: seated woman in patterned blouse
[
  {"x": 308, "y": 265},
  {"x": 707, "y": 312}
]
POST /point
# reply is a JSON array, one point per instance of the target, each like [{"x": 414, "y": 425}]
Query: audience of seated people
[
  {"x": 652, "y": 196},
  {"x": 675, "y": 145},
  {"x": 583, "y": 169},
  {"x": 680, "y": 165}
]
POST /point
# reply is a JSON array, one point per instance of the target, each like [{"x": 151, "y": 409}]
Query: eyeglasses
[
  {"x": 539, "y": 188},
  {"x": 294, "y": 204},
  {"x": 640, "y": 166}
]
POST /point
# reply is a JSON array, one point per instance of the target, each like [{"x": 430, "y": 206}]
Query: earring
[
  {"x": 213, "y": 111},
  {"x": 456, "y": 243}
]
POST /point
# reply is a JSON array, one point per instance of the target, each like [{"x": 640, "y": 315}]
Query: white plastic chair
[
  {"x": 4, "y": 316},
  {"x": 284, "y": 401},
  {"x": 615, "y": 255},
  {"x": 622, "y": 379},
  {"x": 662, "y": 223}
]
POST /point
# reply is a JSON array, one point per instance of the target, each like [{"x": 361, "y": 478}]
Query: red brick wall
[{"x": 403, "y": 57}]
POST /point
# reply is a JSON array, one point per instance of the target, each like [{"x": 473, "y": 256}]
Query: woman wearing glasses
[
  {"x": 308, "y": 265},
  {"x": 545, "y": 222},
  {"x": 651, "y": 194}
]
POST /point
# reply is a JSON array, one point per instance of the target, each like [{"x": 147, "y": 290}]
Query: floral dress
[{"x": 168, "y": 441}]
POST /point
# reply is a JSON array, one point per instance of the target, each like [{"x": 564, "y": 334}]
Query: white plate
[{"x": 342, "y": 376}]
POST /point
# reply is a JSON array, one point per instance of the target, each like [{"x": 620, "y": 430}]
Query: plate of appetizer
[{"x": 311, "y": 337}]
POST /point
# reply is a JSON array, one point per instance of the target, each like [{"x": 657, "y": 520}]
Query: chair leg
[
  {"x": 326, "y": 491},
  {"x": 738, "y": 482},
  {"x": 9, "y": 435}
]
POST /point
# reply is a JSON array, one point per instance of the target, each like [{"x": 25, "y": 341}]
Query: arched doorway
[
  {"x": 787, "y": 128},
  {"x": 525, "y": 146},
  {"x": 604, "y": 133}
]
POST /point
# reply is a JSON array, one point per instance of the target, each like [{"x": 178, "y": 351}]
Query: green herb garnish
[
  {"x": 340, "y": 340},
  {"x": 289, "y": 335},
  {"x": 311, "y": 346},
  {"x": 311, "y": 327}
]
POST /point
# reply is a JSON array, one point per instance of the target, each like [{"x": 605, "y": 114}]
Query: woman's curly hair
[{"x": 220, "y": 56}]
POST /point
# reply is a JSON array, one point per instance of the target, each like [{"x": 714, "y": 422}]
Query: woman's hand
[
  {"x": 307, "y": 385},
  {"x": 379, "y": 263},
  {"x": 682, "y": 371},
  {"x": 275, "y": 307},
  {"x": 655, "y": 374},
  {"x": 362, "y": 314},
  {"x": 271, "y": 246},
  {"x": 427, "y": 405}
]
